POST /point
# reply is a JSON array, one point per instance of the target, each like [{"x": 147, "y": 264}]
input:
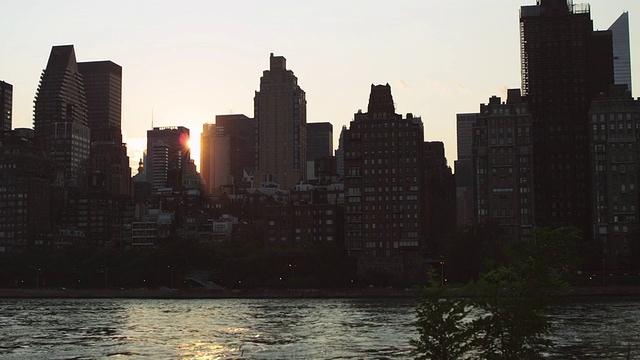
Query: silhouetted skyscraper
[
  {"x": 564, "y": 65},
  {"x": 168, "y": 155},
  {"x": 464, "y": 169},
  {"x": 281, "y": 118},
  {"x": 103, "y": 91},
  {"x": 60, "y": 115},
  {"x": 227, "y": 150},
  {"x": 108, "y": 161},
  {"x": 319, "y": 140},
  {"x": 6, "y": 101},
  {"x": 385, "y": 211},
  {"x": 621, "y": 51}
]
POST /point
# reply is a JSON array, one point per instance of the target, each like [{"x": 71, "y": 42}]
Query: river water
[{"x": 271, "y": 329}]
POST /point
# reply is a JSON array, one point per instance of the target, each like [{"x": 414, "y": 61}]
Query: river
[{"x": 272, "y": 329}]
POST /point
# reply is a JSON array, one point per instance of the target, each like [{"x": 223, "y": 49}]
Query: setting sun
[{"x": 194, "y": 145}]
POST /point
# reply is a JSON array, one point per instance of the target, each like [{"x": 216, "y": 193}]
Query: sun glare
[{"x": 194, "y": 146}]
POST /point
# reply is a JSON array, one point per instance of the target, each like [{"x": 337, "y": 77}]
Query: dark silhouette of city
[{"x": 274, "y": 207}]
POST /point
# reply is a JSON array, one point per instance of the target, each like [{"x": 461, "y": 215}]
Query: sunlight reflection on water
[{"x": 269, "y": 329}]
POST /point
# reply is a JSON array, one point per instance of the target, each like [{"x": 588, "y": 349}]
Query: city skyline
[{"x": 188, "y": 72}]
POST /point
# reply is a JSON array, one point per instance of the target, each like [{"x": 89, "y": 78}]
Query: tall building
[
  {"x": 384, "y": 192},
  {"x": 60, "y": 115},
  {"x": 108, "y": 162},
  {"x": 227, "y": 150},
  {"x": 464, "y": 169},
  {"x": 319, "y": 140},
  {"x": 168, "y": 156},
  {"x": 564, "y": 65},
  {"x": 26, "y": 192},
  {"x": 6, "y": 101},
  {"x": 621, "y": 51},
  {"x": 280, "y": 112},
  {"x": 440, "y": 196},
  {"x": 502, "y": 166},
  {"x": 615, "y": 166},
  {"x": 103, "y": 91}
]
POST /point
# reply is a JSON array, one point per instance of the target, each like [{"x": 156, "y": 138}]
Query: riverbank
[{"x": 165, "y": 293}]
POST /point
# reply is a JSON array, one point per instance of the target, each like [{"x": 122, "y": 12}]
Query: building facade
[
  {"x": 464, "y": 169},
  {"x": 280, "y": 112},
  {"x": 108, "y": 161},
  {"x": 319, "y": 141},
  {"x": 564, "y": 65},
  {"x": 60, "y": 115},
  {"x": 6, "y": 106},
  {"x": 227, "y": 150},
  {"x": 615, "y": 163},
  {"x": 384, "y": 197},
  {"x": 27, "y": 184},
  {"x": 503, "y": 166},
  {"x": 621, "y": 51},
  {"x": 168, "y": 155}
]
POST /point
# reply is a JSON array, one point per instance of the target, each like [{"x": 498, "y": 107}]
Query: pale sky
[{"x": 191, "y": 60}]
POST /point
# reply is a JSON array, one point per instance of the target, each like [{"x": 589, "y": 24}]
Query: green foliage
[
  {"x": 503, "y": 313},
  {"x": 442, "y": 324}
]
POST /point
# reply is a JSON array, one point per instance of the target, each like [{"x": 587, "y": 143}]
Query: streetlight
[
  {"x": 441, "y": 273},
  {"x": 37, "y": 275},
  {"x": 293, "y": 270}
]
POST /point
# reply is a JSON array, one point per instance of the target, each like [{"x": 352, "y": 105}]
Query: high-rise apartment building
[
  {"x": 26, "y": 192},
  {"x": 564, "y": 65},
  {"x": 464, "y": 169},
  {"x": 103, "y": 92},
  {"x": 384, "y": 197},
  {"x": 280, "y": 112},
  {"x": 6, "y": 101},
  {"x": 168, "y": 155},
  {"x": 615, "y": 164},
  {"x": 60, "y": 115},
  {"x": 621, "y": 51},
  {"x": 227, "y": 150},
  {"x": 502, "y": 165}
]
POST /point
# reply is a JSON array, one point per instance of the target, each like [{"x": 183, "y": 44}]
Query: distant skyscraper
[
  {"x": 319, "y": 140},
  {"x": 281, "y": 117},
  {"x": 621, "y": 50},
  {"x": 6, "y": 101},
  {"x": 227, "y": 150},
  {"x": 564, "y": 65},
  {"x": 464, "y": 169},
  {"x": 103, "y": 91},
  {"x": 60, "y": 115},
  {"x": 464, "y": 131},
  {"x": 168, "y": 155},
  {"x": 385, "y": 220}
]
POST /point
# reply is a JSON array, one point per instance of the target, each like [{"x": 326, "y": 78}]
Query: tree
[
  {"x": 444, "y": 332},
  {"x": 503, "y": 314}
]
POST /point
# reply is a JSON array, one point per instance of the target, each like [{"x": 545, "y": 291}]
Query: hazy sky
[{"x": 192, "y": 60}]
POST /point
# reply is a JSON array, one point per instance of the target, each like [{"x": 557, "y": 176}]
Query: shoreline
[{"x": 365, "y": 293}]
